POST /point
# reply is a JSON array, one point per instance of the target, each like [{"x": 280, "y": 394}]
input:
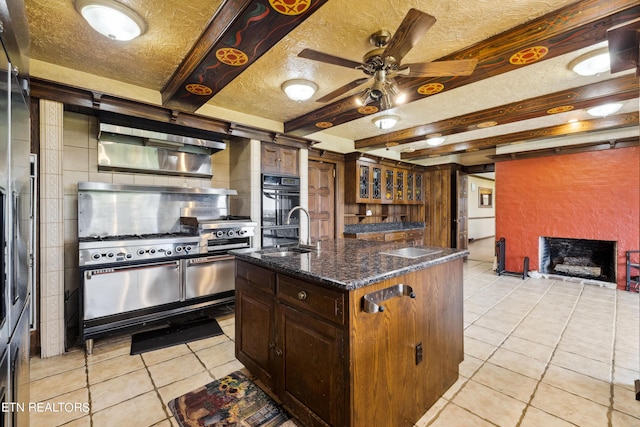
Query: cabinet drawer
[
  {"x": 414, "y": 234},
  {"x": 261, "y": 278},
  {"x": 390, "y": 237},
  {"x": 321, "y": 301},
  {"x": 373, "y": 237}
]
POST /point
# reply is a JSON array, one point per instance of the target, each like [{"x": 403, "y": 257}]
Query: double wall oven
[
  {"x": 133, "y": 280},
  {"x": 279, "y": 195}
]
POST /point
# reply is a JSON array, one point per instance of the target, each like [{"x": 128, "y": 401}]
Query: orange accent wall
[{"x": 593, "y": 195}]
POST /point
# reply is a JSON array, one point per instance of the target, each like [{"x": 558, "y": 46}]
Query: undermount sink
[
  {"x": 287, "y": 252},
  {"x": 411, "y": 252}
]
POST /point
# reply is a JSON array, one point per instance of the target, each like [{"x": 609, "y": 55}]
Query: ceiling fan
[{"x": 383, "y": 63}]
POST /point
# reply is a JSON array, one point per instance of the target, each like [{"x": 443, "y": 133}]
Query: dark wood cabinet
[
  {"x": 367, "y": 181},
  {"x": 332, "y": 363},
  {"x": 279, "y": 159},
  {"x": 290, "y": 336}
]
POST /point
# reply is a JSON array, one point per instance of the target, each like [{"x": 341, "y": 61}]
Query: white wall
[{"x": 482, "y": 220}]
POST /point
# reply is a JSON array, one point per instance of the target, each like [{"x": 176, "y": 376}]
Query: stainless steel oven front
[
  {"x": 115, "y": 290},
  {"x": 209, "y": 275}
]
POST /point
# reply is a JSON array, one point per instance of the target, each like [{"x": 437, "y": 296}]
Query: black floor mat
[{"x": 174, "y": 335}]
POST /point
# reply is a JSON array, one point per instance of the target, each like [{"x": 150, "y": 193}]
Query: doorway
[{"x": 322, "y": 199}]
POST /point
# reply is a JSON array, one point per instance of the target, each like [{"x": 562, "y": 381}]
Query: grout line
[
  {"x": 450, "y": 401},
  {"x": 613, "y": 359},
  {"x": 546, "y": 368}
]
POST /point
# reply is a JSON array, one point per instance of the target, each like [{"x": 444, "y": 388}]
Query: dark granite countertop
[
  {"x": 382, "y": 227},
  {"x": 348, "y": 263}
]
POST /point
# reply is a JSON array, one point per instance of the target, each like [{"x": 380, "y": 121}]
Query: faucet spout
[{"x": 295, "y": 208}]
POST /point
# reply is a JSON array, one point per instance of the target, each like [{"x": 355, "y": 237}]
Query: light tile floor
[{"x": 538, "y": 352}]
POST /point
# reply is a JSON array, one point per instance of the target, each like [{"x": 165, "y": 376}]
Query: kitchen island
[{"x": 355, "y": 334}]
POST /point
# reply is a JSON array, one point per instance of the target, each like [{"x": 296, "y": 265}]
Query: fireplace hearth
[{"x": 579, "y": 258}]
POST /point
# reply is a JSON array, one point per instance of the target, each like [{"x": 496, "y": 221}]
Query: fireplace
[{"x": 580, "y": 258}]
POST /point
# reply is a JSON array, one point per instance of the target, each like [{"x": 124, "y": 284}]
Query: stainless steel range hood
[{"x": 132, "y": 149}]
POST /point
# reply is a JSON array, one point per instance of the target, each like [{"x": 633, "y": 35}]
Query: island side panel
[{"x": 388, "y": 386}]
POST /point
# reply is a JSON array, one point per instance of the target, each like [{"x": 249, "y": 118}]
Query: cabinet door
[
  {"x": 419, "y": 188},
  {"x": 310, "y": 367},
  {"x": 389, "y": 184},
  {"x": 364, "y": 183},
  {"x": 254, "y": 334},
  {"x": 270, "y": 156},
  {"x": 376, "y": 184},
  {"x": 410, "y": 187},
  {"x": 401, "y": 187},
  {"x": 289, "y": 161}
]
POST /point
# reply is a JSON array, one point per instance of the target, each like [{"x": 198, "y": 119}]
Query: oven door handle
[
  {"x": 109, "y": 270},
  {"x": 210, "y": 259}
]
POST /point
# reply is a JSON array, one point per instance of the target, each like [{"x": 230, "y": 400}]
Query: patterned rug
[{"x": 231, "y": 401}]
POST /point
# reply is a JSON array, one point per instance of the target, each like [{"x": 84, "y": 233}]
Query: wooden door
[
  {"x": 322, "y": 200},
  {"x": 462, "y": 203}
]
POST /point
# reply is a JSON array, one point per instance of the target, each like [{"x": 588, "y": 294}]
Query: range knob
[
  {"x": 110, "y": 255},
  {"x": 178, "y": 248},
  {"x": 188, "y": 248},
  {"x": 140, "y": 252},
  {"x": 95, "y": 256},
  {"x": 152, "y": 251},
  {"x": 128, "y": 256},
  {"x": 168, "y": 252},
  {"x": 219, "y": 233},
  {"x": 231, "y": 233}
]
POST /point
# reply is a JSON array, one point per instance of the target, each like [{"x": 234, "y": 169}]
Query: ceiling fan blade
[
  {"x": 329, "y": 59},
  {"x": 414, "y": 25},
  {"x": 462, "y": 67},
  {"x": 342, "y": 90}
]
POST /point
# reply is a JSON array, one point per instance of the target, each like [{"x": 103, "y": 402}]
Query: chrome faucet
[{"x": 295, "y": 208}]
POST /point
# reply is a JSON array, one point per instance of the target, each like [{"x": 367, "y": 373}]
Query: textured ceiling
[{"x": 340, "y": 27}]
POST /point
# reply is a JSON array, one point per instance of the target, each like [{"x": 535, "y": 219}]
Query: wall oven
[{"x": 279, "y": 195}]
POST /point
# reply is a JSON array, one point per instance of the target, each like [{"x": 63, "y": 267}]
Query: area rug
[{"x": 231, "y": 401}]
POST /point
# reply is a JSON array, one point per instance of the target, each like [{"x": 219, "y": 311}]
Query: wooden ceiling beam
[
  {"x": 604, "y": 123},
  {"x": 614, "y": 90},
  {"x": 240, "y": 32}
]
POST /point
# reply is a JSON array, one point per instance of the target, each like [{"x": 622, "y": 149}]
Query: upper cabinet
[
  {"x": 367, "y": 181},
  {"x": 280, "y": 159}
]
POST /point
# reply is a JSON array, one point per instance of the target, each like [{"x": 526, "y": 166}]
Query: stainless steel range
[{"x": 132, "y": 279}]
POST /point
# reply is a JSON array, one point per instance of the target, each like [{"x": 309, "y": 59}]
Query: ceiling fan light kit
[
  {"x": 386, "y": 122},
  {"x": 299, "y": 89},
  {"x": 591, "y": 63},
  {"x": 605, "y": 110},
  {"x": 111, "y": 19}
]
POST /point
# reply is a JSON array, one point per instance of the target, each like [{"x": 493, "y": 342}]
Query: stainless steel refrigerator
[{"x": 15, "y": 220}]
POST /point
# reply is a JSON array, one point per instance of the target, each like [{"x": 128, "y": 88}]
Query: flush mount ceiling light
[
  {"x": 435, "y": 141},
  {"x": 299, "y": 89},
  {"x": 386, "y": 122},
  {"x": 592, "y": 63},
  {"x": 111, "y": 19},
  {"x": 604, "y": 110}
]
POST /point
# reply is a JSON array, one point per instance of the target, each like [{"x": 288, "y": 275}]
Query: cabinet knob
[
  {"x": 302, "y": 295},
  {"x": 279, "y": 352},
  {"x": 272, "y": 344}
]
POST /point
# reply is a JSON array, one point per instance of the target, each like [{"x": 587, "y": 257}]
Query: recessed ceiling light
[
  {"x": 299, "y": 89},
  {"x": 435, "y": 141},
  {"x": 386, "y": 122},
  {"x": 604, "y": 110},
  {"x": 592, "y": 63},
  {"x": 111, "y": 19}
]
